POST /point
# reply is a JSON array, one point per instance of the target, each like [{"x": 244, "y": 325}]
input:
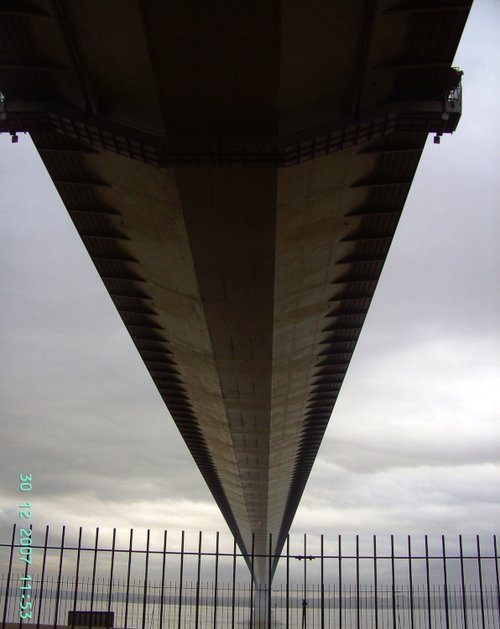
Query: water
[{"x": 352, "y": 610}]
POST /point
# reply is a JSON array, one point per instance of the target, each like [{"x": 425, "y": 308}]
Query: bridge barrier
[{"x": 171, "y": 579}]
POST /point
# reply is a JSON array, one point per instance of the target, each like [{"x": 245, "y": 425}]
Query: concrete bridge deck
[{"x": 236, "y": 172}]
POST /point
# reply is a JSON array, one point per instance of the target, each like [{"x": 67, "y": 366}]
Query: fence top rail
[{"x": 239, "y": 554}]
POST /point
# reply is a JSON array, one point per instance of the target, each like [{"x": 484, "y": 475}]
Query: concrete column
[{"x": 260, "y": 606}]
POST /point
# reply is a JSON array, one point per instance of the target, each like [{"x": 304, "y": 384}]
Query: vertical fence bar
[
  {"x": 269, "y": 577},
  {"x": 146, "y": 574},
  {"x": 252, "y": 560},
  {"x": 462, "y": 579},
  {"x": 287, "y": 614},
  {"x": 9, "y": 576},
  {"x": 198, "y": 577},
  {"x": 480, "y": 574},
  {"x": 393, "y": 585},
  {"x": 281, "y": 603},
  {"x": 410, "y": 585},
  {"x": 375, "y": 579},
  {"x": 26, "y": 567},
  {"x": 94, "y": 568},
  {"x": 297, "y": 608},
  {"x": 163, "y": 566},
  {"x": 358, "y": 610},
  {"x": 59, "y": 576},
  {"x": 233, "y": 601},
  {"x": 77, "y": 574},
  {"x": 322, "y": 584},
  {"x": 495, "y": 548},
  {"x": 304, "y": 591},
  {"x": 44, "y": 561},
  {"x": 216, "y": 587},
  {"x": 111, "y": 571},
  {"x": 129, "y": 566},
  {"x": 428, "y": 582},
  {"x": 181, "y": 576},
  {"x": 445, "y": 576},
  {"x": 340, "y": 582}
]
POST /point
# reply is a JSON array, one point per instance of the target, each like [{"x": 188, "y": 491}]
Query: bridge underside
[{"x": 236, "y": 172}]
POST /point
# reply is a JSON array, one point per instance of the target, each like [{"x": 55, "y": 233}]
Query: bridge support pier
[{"x": 260, "y": 606}]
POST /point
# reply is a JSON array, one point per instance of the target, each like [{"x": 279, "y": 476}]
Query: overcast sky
[{"x": 414, "y": 442}]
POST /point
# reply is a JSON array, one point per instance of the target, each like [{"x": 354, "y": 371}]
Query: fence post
[
  {"x": 163, "y": 565},
  {"x": 216, "y": 577},
  {"x": 322, "y": 584},
  {"x": 94, "y": 568},
  {"x": 77, "y": 573},
  {"x": 198, "y": 577},
  {"x": 287, "y": 581},
  {"x": 59, "y": 576},
  {"x": 252, "y": 561},
  {"x": 181, "y": 576},
  {"x": 410, "y": 583},
  {"x": 497, "y": 576},
  {"x": 462, "y": 579},
  {"x": 445, "y": 575},
  {"x": 393, "y": 585},
  {"x": 428, "y": 581},
  {"x": 375, "y": 579},
  {"x": 269, "y": 579},
  {"x": 234, "y": 582},
  {"x": 129, "y": 565},
  {"x": 480, "y": 572},
  {"x": 146, "y": 574},
  {"x": 304, "y": 592},
  {"x": 9, "y": 574},
  {"x": 341, "y": 593},
  {"x": 358, "y": 610}
]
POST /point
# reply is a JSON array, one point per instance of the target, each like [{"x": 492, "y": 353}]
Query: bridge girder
[{"x": 236, "y": 172}]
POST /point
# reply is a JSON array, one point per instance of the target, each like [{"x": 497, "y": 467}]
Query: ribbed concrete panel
[
  {"x": 311, "y": 221},
  {"x": 232, "y": 237},
  {"x": 153, "y": 218}
]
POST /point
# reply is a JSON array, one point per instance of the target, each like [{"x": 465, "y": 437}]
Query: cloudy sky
[{"x": 414, "y": 442}]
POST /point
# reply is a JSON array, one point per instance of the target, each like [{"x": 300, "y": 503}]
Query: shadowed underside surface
[{"x": 236, "y": 172}]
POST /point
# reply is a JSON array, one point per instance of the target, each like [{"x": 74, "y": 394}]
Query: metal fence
[{"x": 137, "y": 581}]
